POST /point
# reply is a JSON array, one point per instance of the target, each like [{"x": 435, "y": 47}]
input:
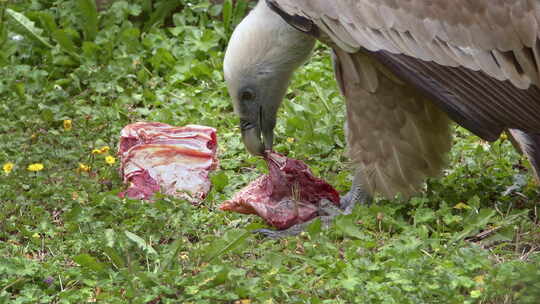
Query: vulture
[{"x": 406, "y": 69}]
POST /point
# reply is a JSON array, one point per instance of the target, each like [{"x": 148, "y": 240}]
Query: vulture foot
[{"x": 354, "y": 196}]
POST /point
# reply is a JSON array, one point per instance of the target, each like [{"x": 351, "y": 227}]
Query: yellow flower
[
  {"x": 475, "y": 294},
  {"x": 110, "y": 160},
  {"x": 243, "y": 301},
  {"x": 35, "y": 167},
  {"x": 504, "y": 136},
  {"x": 101, "y": 150},
  {"x": 7, "y": 167},
  {"x": 290, "y": 140},
  {"x": 84, "y": 168},
  {"x": 462, "y": 205},
  {"x": 479, "y": 279},
  {"x": 68, "y": 124}
]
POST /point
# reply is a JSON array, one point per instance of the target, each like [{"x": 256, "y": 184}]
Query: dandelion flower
[
  {"x": 84, "y": 168},
  {"x": 462, "y": 205},
  {"x": 68, "y": 124},
  {"x": 7, "y": 167},
  {"x": 479, "y": 279},
  {"x": 101, "y": 150},
  {"x": 290, "y": 140},
  {"x": 110, "y": 160},
  {"x": 35, "y": 167}
]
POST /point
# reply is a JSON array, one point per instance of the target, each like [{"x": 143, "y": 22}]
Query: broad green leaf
[
  {"x": 474, "y": 223},
  {"x": 424, "y": 215},
  {"x": 140, "y": 242},
  {"x": 19, "y": 88},
  {"x": 230, "y": 241},
  {"x": 315, "y": 227},
  {"x": 47, "y": 20},
  {"x": 163, "y": 10},
  {"x": 350, "y": 283},
  {"x": 115, "y": 257},
  {"x": 88, "y": 12},
  {"x": 64, "y": 41},
  {"x": 346, "y": 224},
  {"x": 220, "y": 180},
  {"x": 27, "y": 28},
  {"x": 88, "y": 261}
]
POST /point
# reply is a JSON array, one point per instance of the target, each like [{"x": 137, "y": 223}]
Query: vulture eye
[{"x": 247, "y": 95}]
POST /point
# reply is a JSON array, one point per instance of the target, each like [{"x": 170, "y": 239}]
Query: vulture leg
[
  {"x": 396, "y": 137},
  {"x": 356, "y": 194}
]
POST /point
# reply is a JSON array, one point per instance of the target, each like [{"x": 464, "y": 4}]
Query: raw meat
[
  {"x": 289, "y": 195},
  {"x": 174, "y": 160}
]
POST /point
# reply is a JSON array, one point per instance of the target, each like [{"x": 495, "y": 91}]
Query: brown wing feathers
[
  {"x": 478, "y": 60},
  {"x": 497, "y": 37}
]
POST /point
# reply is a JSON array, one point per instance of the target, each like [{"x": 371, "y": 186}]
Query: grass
[{"x": 472, "y": 236}]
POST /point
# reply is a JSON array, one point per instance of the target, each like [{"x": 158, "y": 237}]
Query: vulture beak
[{"x": 254, "y": 127}]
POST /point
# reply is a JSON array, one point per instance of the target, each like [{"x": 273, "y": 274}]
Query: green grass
[{"x": 472, "y": 236}]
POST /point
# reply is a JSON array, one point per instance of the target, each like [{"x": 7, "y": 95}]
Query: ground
[{"x": 71, "y": 79}]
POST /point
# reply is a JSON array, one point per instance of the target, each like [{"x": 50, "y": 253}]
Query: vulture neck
[{"x": 263, "y": 44}]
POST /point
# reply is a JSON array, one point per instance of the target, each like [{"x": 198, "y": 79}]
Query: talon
[
  {"x": 345, "y": 201},
  {"x": 349, "y": 200},
  {"x": 267, "y": 233}
]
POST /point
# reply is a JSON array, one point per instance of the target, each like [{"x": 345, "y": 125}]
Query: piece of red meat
[
  {"x": 288, "y": 195},
  {"x": 174, "y": 160}
]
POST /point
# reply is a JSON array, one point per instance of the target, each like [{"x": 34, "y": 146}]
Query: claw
[
  {"x": 354, "y": 196},
  {"x": 267, "y": 233},
  {"x": 346, "y": 201}
]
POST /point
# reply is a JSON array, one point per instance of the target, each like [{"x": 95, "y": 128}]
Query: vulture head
[{"x": 261, "y": 56}]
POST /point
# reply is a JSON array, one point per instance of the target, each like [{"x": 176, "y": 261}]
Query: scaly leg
[{"x": 356, "y": 194}]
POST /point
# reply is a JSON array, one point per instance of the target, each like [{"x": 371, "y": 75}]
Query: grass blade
[
  {"x": 227, "y": 14},
  {"x": 239, "y": 11}
]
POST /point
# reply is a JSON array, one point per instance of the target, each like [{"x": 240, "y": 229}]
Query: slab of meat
[
  {"x": 173, "y": 160},
  {"x": 289, "y": 195}
]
